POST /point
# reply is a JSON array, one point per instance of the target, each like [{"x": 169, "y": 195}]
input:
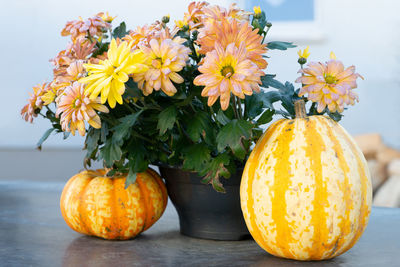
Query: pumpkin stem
[{"x": 300, "y": 109}]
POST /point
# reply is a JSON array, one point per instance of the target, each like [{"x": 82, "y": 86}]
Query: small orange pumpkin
[{"x": 94, "y": 204}]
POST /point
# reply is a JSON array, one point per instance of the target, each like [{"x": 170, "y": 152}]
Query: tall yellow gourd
[{"x": 306, "y": 189}]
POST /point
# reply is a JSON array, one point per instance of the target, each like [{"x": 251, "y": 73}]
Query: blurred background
[{"x": 364, "y": 33}]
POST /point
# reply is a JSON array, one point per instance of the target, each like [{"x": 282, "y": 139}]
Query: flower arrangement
[{"x": 194, "y": 94}]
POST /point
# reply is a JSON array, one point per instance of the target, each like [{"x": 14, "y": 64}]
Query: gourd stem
[{"x": 300, "y": 109}]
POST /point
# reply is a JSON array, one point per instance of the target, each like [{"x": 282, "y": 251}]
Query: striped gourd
[
  {"x": 306, "y": 191},
  {"x": 93, "y": 204}
]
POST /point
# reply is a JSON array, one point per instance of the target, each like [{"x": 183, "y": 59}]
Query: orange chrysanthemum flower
[
  {"x": 193, "y": 18},
  {"x": 230, "y": 31},
  {"x": 211, "y": 14},
  {"x": 164, "y": 57},
  {"x": 329, "y": 85},
  {"x": 35, "y": 102},
  {"x": 226, "y": 71},
  {"x": 76, "y": 107},
  {"x": 79, "y": 28}
]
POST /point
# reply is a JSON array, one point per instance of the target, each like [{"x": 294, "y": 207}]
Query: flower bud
[
  {"x": 302, "y": 61},
  {"x": 165, "y": 19}
]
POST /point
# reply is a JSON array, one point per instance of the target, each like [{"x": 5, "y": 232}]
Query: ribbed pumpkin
[
  {"x": 92, "y": 204},
  {"x": 306, "y": 191}
]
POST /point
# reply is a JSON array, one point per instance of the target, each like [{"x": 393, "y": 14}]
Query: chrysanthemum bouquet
[{"x": 149, "y": 95}]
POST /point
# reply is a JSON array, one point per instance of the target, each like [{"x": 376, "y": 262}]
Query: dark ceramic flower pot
[{"x": 203, "y": 212}]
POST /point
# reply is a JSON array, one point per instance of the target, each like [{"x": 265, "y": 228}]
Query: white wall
[{"x": 363, "y": 33}]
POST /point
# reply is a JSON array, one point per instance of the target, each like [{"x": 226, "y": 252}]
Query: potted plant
[{"x": 191, "y": 98}]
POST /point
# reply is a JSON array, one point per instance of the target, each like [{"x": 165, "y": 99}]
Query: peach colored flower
[
  {"x": 80, "y": 28},
  {"x": 193, "y": 18},
  {"x": 228, "y": 70},
  {"x": 80, "y": 50},
  {"x": 95, "y": 26},
  {"x": 329, "y": 85},
  {"x": 76, "y": 107},
  {"x": 211, "y": 14},
  {"x": 142, "y": 35},
  {"x": 164, "y": 57},
  {"x": 35, "y": 102},
  {"x": 106, "y": 17},
  {"x": 74, "y": 28},
  {"x": 229, "y": 31}
]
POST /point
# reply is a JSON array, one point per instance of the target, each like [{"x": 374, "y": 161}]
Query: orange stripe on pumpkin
[
  {"x": 345, "y": 187},
  {"x": 279, "y": 188},
  {"x": 364, "y": 207},
  {"x": 253, "y": 164},
  {"x": 314, "y": 147}
]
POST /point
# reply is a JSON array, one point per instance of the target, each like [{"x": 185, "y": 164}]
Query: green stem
[
  {"x": 235, "y": 108},
  {"x": 240, "y": 108},
  {"x": 135, "y": 134},
  {"x": 129, "y": 107},
  {"x": 108, "y": 119}
]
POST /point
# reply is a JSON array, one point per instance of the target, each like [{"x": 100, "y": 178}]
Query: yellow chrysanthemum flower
[
  {"x": 304, "y": 54},
  {"x": 109, "y": 76}
]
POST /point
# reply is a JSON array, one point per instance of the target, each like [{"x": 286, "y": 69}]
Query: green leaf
[
  {"x": 222, "y": 118},
  {"x": 44, "y": 137},
  {"x": 137, "y": 156},
  {"x": 110, "y": 153},
  {"x": 232, "y": 135},
  {"x": 196, "y": 156},
  {"x": 280, "y": 45},
  {"x": 132, "y": 89},
  {"x": 104, "y": 132},
  {"x": 286, "y": 94},
  {"x": 199, "y": 126},
  {"x": 91, "y": 141},
  {"x": 66, "y": 135},
  {"x": 269, "y": 81},
  {"x": 253, "y": 105},
  {"x": 120, "y": 31},
  {"x": 218, "y": 167},
  {"x": 266, "y": 117},
  {"x": 271, "y": 97},
  {"x": 336, "y": 116},
  {"x": 166, "y": 119},
  {"x": 123, "y": 130},
  {"x": 130, "y": 179}
]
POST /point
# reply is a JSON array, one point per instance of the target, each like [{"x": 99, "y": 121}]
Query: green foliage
[
  {"x": 196, "y": 157},
  {"x": 199, "y": 126},
  {"x": 123, "y": 129},
  {"x": 110, "y": 153},
  {"x": 232, "y": 135},
  {"x": 166, "y": 119},
  {"x": 218, "y": 167},
  {"x": 120, "y": 31},
  {"x": 266, "y": 117},
  {"x": 280, "y": 45},
  {"x": 44, "y": 138},
  {"x": 286, "y": 94}
]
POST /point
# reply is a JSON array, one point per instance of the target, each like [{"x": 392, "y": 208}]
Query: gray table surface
[{"x": 33, "y": 233}]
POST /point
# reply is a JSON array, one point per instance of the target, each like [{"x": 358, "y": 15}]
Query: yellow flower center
[
  {"x": 110, "y": 70},
  {"x": 227, "y": 71},
  {"x": 77, "y": 102},
  {"x": 329, "y": 79}
]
